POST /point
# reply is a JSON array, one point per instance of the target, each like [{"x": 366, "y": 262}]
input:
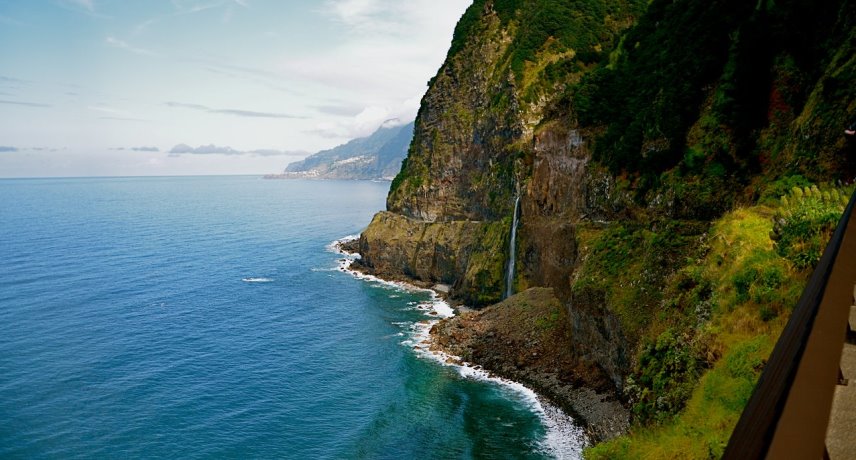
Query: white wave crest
[{"x": 564, "y": 439}]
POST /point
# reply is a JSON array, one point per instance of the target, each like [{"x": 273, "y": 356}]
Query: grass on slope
[{"x": 755, "y": 276}]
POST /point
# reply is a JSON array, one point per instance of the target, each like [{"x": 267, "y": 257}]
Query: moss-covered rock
[{"x": 468, "y": 255}]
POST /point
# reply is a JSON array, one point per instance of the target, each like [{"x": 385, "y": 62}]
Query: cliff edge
[{"x": 678, "y": 166}]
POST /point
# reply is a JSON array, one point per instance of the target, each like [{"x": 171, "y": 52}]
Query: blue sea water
[{"x": 204, "y": 317}]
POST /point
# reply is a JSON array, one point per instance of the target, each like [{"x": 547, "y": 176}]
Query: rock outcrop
[
  {"x": 468, "y": 255},
  {"x": 525, "y": 338}
]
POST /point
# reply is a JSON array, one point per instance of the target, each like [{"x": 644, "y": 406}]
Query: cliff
[
  {"x": 679, "y": 165},
  {"x": 377, "y": 156}
]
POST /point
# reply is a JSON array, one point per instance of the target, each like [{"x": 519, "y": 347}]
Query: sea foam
[
  {"x": 257, "y": 280},
  {"x": 564, "y": 439}
]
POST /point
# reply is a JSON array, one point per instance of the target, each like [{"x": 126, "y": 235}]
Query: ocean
[{"x": 200, "y": 317}]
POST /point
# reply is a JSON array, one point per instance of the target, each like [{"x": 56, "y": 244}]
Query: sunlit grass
[{"x": 754, "y": 290}]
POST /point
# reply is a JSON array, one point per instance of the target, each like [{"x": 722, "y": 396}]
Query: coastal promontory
[{"x": 671, "y": 172}]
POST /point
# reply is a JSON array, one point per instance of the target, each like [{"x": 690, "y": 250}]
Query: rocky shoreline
[{"x": 525, "y": 339}]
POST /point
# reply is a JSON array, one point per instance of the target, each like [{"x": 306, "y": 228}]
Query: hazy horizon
[{"x": 93, "y": 88}]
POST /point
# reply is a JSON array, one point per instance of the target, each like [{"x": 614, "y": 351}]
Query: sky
[{"x": 184, "y": 87}]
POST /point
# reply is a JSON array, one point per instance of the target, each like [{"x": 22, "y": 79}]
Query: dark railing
[{"x": 788, "y": 412}]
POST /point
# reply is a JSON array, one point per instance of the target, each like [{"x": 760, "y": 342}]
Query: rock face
[
  {"x": 459, "y": 169},
  {"x": 468, "y": 255},
  {"x": 526, "y": 338},
  {"x": 620, "y": 166},
  {"x": 378, "y": 156}
]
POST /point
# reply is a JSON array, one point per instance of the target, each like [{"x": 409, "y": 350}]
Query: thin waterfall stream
[{"x": 512, "y": 250}]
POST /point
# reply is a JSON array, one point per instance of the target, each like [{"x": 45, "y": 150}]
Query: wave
[
  {"x": 257, "y": 280},
  {"x": 564, "y": 439}
]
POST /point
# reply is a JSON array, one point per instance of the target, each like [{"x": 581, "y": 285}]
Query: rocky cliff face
[
  {"x": 460, "y": 168},
  {"x": 462, "y": 254},
  {"x": 627, "y": 129}
]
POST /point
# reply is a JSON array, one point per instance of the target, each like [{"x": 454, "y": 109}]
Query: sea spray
[
  {"x": 564, "y": 438},
  {"x": 512, "y": 250}
]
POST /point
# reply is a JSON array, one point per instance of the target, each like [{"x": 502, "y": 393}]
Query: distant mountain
[{"x": 377, "y": 156}]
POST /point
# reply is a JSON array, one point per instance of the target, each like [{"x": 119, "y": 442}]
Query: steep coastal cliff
[
  {"x": 373, "y": 157},
  {"x": 679, "y": 166}
]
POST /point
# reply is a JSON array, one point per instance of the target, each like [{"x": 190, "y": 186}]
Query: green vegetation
[
  {"x": 708, "y": 65},
  {"x": 485, "y": 273},
  {"x": 715, "y": 130},
  {"x": 650, "y": 97},
  {"x": 702, "y": 107},
  {"x": 720, "y": 316},
  {"x": 579, "y": 25},
  {"x": 805, "y": 221},
  {"x": 465, "y": 28},
  {"x": 585, "y": 26},
  {"x": 626, "y": 263},
  {"x": 667, "y": 371}
]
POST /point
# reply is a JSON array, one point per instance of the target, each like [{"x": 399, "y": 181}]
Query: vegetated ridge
[
  {"x": 680, "y": 166},
  {"x": 376, "y": 157}
]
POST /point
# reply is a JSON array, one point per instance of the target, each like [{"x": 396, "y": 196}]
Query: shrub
[
  {"x": 667, "y": 372},
  {"x": 804, "y": 223}
]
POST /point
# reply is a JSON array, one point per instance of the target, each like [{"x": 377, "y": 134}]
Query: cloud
[
  {"x": 212, "y": 149},
  {"x": 357, "y": 13},
  {"x": 203, "y": 150},
  {"x": 249, "y": 113},
  {"x": 114, "y": 114},
  {"x": 267, "y": 78},
  {"x": 87, "y": 5},
  {"x": 138, "y": 149},
  {"x": 26, "y": 104},
  {"x": 182, "y": 8},
  {"x": 123, "y": 119},
  {"x": 5, "y": 79},
  {"x": 272, "y": 152},
  {"x": 116, "y": 43},
  {"x": 368, "y": 120},
  {"x": 385, "y": 17},
  {"x": 187, "y": 106},
  {"x": 343, "y": 110},
  {"x": 235, "y": 112},
  {"x": 404, "y": 42},
  {"x": 193, "y": 6},
  {"x": 84, "y": 6},
  {"x": 9, "y": 148},
  {"x": 105, "y": 109}
]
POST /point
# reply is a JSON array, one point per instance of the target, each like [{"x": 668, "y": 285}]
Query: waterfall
[{"x": 512, "y": 249}]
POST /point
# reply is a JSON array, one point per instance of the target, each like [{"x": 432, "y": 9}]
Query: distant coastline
[
  {"x": 314, "y": 175},
  {"x": 375, "y": 157}
]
